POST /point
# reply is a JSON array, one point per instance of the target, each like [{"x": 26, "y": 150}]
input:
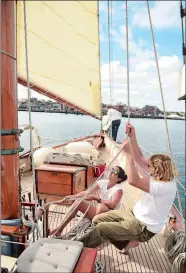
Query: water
[{"x": 55, "y": 128}]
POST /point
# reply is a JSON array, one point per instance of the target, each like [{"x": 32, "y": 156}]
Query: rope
[
  {"x": 109, "y": 44},
  {"x": 82, "y": 227},
  {"x": 99, "y": 266},
  {"x": 163, "y": 102},
  {"x": 29, "y": 104},
  {"x": 111, "y": 50},
  {"x": 101, "y": 100},
  {"x": 178, "y": 262},
  {"x": 174, "y": 246},
  {"x": 127, "y": 51},
  {"x": 30, "y": 223}
]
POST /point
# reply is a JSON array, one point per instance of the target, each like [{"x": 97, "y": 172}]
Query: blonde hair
[{"x": 161, "y": 168}]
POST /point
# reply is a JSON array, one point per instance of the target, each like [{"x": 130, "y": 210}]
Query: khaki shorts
[{"x": 117, "y": 226}]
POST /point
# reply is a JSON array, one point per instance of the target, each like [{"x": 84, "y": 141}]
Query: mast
[{"x": 9, "y": 117}]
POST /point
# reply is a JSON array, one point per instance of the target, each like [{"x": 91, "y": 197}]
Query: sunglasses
[{"x": 114, "y": 171}]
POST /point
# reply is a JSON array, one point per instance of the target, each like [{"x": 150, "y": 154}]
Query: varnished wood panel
[
  {"x": 51, "y": 188},
  {"x": 59, "y": 168},
  {"x": 86, "y": 261},
  {"x": 90, "y": 175},
  {"x": 54, "y": 177},
  {"x": 79, "y": 182}
]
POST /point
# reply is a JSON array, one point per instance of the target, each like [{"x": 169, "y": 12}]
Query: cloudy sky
[{"x": 144, "y": 85}]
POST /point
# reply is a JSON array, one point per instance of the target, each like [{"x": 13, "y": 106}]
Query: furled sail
[
  {"x": 181, "y": 94},
  {"x": 63, "y": 51}
]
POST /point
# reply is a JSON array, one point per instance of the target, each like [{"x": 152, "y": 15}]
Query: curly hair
[{"x": 161, "y": 168}]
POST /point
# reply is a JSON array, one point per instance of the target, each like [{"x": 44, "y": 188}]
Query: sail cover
[{"x": 63, "y": 51}]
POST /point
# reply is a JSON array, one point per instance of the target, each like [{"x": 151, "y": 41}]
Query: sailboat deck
[{"x": 148, "y": 257}]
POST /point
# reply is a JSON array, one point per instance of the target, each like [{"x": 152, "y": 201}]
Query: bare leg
[
  {"x": 83, "y": 206},
  {"x": 130, "y": 245},
  {"x": 101, "y": 208}
]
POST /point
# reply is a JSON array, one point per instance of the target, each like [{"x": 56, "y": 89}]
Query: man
[
  {"x": 110, "y": 197},
  {"x": 126, "y": 228},
  {"x": 114, "y": 117}
]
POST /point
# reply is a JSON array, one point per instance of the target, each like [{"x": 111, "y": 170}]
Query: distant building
[{"x": 149, "y": 110}]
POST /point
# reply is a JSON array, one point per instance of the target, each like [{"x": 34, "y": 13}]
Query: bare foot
[{"x": 130, "y": 245}]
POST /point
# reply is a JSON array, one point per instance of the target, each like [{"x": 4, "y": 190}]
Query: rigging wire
[
  {"x": 109, "y": 48},
  {"x": 163, "y": 102},
  {"x": 127, "y": 55},
  {"x": 100, "y": 87},
  {"x": 29, "y": 108}
]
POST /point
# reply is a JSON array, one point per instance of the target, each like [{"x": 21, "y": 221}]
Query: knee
[
  {"x": 101, "y": 208},
  {"x": 76, "y": 202},
  {"x": 76, "y": 205},
  {"x": 97, "y": 219},
  {"x": 100, "y": 227}
]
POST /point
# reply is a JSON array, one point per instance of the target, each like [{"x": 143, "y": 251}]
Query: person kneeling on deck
[
  {"x": 110, "y": 197},
  {"x": 126, "y": 228}
]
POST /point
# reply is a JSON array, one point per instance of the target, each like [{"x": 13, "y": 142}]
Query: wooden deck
[{"x": 148, "y": 257}]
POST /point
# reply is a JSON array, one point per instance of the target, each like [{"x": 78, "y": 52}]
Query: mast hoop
[
  {"x": 11, "y": 151},
  {"x": 9, "y": 132}
]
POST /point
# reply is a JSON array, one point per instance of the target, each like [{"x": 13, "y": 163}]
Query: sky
[{"x": 144, "y": 85}]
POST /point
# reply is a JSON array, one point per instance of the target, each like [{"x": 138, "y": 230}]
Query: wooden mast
[{"x": 9, "y": 116}]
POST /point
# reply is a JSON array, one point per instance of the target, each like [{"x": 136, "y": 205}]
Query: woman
[
  {"x": 126, "y": 228},
  {"x": 110, "y": 197}
]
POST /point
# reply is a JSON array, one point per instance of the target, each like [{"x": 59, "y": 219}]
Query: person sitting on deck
[
  {"x": 110, "y": 197},
  {"x": 126, "y": 228}
]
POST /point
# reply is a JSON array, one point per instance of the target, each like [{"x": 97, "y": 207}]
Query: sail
[
  {"x": 63, "y": 51},
  {"x": 181, "y": 94}
]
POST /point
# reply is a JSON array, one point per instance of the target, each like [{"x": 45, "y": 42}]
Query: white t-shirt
[
  {"x": 106, "y": 194},
  {"x": 113, "y": 114},
  {"x": 154, "y": 207}
]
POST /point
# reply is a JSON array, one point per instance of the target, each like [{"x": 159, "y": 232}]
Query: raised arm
[
  {"x": 134, "y": 179},
  {"x": 136, "y": 151}
]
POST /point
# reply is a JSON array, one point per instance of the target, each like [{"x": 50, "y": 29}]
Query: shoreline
[{"x": 124, "y": 116}]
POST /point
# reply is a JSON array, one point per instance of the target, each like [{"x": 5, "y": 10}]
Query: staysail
[{"x": 63, "y": 51}]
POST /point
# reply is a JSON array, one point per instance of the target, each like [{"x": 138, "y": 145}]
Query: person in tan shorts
[{"x": 126, "y": 228}]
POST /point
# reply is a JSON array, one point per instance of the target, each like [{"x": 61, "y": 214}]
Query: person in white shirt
[
  {"x": 114, "y": 117},
  {"x": 126, "y": 228},
  {"x": 110, "y": 197}
]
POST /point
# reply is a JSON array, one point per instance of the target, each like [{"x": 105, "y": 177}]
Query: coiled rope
[
  {"x": 99, "y": 266},
  {"x": 178, "y": 262},
  {"x": 32, "y": 225},
  {"x": 175, "y": 249}
]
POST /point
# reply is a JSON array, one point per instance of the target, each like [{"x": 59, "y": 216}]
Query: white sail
[
  {"x": 63, "y": 51},
  {"x": 181, "y": 94}
]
